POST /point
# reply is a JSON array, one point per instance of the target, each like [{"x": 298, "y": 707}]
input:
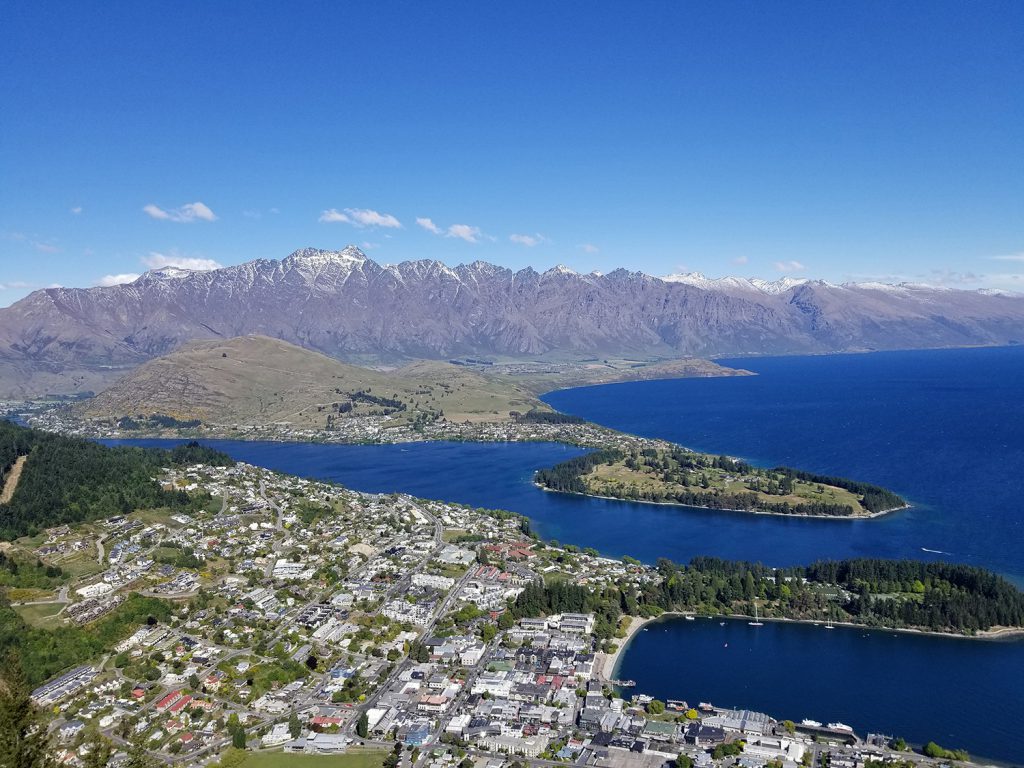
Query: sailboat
[
  {"x": 755, "y": 622},
  {"x": 828, "y": 624}
]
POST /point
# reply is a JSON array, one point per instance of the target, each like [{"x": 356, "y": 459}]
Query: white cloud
[
  {"x": 249, "y": 213},
  {"x": 528, "y": 240},
  {"x": 464, "y": 232},
  {"x": 588, "y": 247},
  {"x": 110, "y": 280},
  {"x": 367, "y": 246},
  {"x": 333, "y": 216},
  {"x": 275, "y": 210},
  {"x": 1010, "y": 257},
  {"x": 185, "y": 214},
  {"x": 360, "y": 217},
  {"x": 45, "y": 247},
  {"x": 740, "y": 260},
  {"x": 14, "y": 285},
  {"x": 157, "y": 260},
  {"x": 76, "y": 210},
  {"x": 789, "y": 266},
  {"x": 364, "y": 217},
  {"x": 428, "y": 225}
]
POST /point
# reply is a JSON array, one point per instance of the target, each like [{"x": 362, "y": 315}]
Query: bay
[{"x": 961, "y": 693}]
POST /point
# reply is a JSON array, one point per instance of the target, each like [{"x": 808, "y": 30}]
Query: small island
[{"x": 676, "y": 475}]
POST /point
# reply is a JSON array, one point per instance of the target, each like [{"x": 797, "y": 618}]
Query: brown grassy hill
[{"x": 259, "y": 380}]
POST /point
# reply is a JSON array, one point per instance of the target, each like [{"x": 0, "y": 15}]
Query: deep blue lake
[
  {"x": 943, "y": 428},
  {"x": 960, "y": 693}
]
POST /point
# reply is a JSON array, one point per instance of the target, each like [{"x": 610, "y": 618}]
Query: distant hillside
[
  {"x": 348, "y": 306},
  {"x": 255, "y": 380}
]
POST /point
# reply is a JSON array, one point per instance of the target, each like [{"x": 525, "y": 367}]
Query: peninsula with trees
[{"x": 676, "y": 475}]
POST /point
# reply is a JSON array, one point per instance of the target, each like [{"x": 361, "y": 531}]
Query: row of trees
[
  {"x": 942, "y": 597},
  {"x": 535, "y": 416},
  {"x": 155, "y": 421}
]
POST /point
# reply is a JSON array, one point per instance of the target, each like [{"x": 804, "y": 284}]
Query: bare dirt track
[{"x": 12, "y": 480}]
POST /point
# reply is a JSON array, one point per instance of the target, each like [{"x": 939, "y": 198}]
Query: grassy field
[
  {"x": 355, "y": 757},
  {"x": 44, "y": 616},
  {"x": 81, "y": 564}
]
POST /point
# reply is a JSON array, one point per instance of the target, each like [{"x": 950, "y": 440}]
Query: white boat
[
  {"x": 828, "y": 624},
  {"x": 840, "y": 727},
  {"x": 810, "y": 723},
  {"x": 688, "y": 617},
  {"x": 755, "y": 622}
]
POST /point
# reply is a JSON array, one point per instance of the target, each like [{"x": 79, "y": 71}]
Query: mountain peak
[
  {"x": 168, "y": 273},
  {"x": 320, "y": 257}
]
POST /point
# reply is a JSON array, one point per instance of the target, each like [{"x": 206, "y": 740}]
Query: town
[
  {"x": 310, "y": 619},
  {"x": 58, "y": 416}
]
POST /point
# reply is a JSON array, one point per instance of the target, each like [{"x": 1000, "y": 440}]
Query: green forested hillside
[{"x": 71, "y": 480}]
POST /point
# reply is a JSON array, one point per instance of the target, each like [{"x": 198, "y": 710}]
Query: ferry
[
  {"x": 840, "y": 727},
  {"x": 810, "y": 723}
]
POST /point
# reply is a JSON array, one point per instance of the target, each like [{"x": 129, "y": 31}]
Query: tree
[
  {"x": 656, "y": 707},
  {"x": 363, "y": 725},
  {"x": 294, "y": 726},
  {"x": 138, "y": 757},
  {"x": 684, "y": 761},
  {"x": 238, "y": 738},
  {"x": 24, "y": 740},
  {"x": 100, "y": 750},
  {"x": 488, "y": 632}
]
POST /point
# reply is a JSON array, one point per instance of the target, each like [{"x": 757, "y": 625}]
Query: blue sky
[{"x": 836, "y": 140}]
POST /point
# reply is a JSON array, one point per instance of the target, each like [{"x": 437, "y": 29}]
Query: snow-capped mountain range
[{"x": 348, "y": 306}]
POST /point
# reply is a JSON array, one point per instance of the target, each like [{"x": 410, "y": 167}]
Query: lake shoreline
[
  {"x": 795, "y": 515},
  {"x": 610, "y": 671}
]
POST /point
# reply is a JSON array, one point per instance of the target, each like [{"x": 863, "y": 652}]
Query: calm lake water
[
  {"x": 943, "y": 428},
  {"x": 960, "y": 693}
]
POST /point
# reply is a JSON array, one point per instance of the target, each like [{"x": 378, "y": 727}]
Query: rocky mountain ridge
[{"x": 349, "y": 307}]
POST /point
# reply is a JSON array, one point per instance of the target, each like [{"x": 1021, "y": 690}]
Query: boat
[
  {"x": 756, "y": 622},
  {"x": 810, "y": 723},
  {"x": 840, "y": 727},
  {"x": 688, "y": 617},
  {"x": 828, "y": 624},
  {"x": 721, "y": 623}
]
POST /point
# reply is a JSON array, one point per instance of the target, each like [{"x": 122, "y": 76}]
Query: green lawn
[
  {"x": 355, "y": 757},
  {"x": 40, "y": 615}
]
